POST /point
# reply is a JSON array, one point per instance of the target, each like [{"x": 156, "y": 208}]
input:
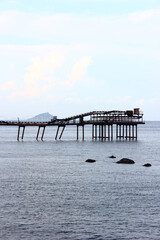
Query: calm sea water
[{"x": 48, "y": 191}]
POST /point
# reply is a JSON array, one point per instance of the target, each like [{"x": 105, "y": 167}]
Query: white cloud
[
  {"x": 148, "y": 101},
  {"x": 48, "y": 74},
  {"x": 69, "y": 99},
  {"x": 126, "y": 99},
  {"x": 135, "y": 28},
  {"x": 154, "y": 100},
  {"x": 11, "y": 66},
  {"x": 140, "y": 102},
  {"x": 144, "y": 16},
  {"x": 39, "y": 76},
  {"x": 78, "y": 71},
  {"x": 9, "y": 85}
]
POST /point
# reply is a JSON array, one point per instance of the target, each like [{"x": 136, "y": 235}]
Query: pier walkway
[{"x": 103, "y": 124}]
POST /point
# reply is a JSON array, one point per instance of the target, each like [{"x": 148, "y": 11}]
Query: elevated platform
[{"x": 125, "y": 122}]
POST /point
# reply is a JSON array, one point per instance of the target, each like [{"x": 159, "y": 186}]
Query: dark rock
[
  {"x": 112, "y": 156},
  {"x": 126, "y": 161},
  {"x": 147, "y": 165},
  {"x": 90, "y": 160}
]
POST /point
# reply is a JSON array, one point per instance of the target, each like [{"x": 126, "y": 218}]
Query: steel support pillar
[
  {"x": 133, "y": 131},
  {"x": 111, "y": 132},
  {"x": 126, "y": 132},
  {"x": 57, "y": 133},
  {"x": 104, "y": 131},
  {"x": 23, "y": 133},
  {"x": 38, "y": 133},
  {"x": 92, "y": 131},
  {"x": 43, "y": 133},
  {"x": 95, "y": 131},
  {"x": 116, "y": 131},
  {"x": 120, "y": 131},
  {"x": 108, "y": 132},
  {"x": 83, "y": 132},
  {"x": 123, "y": 131},
  {"x": 62, "y": 132},
  {"x": 136, "y": 132},
  {"x": 18, "y": 133},
  {"x": 77, "y": 132}
]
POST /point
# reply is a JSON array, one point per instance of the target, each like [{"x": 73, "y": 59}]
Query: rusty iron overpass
[{"x": 103, "y": 124}]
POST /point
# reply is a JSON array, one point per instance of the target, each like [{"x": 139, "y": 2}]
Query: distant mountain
[{"x": 43, "y": 117}]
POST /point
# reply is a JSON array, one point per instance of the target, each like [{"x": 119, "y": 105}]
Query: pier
[{"x": 103, "y": 125}]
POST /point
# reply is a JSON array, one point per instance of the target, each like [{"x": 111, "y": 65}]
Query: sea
[{"x": 48, "y": 190}]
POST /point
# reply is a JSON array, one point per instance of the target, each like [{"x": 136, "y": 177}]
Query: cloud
[
  {"x": 126, "y": 98},
  {"x": 144, "y": 16},
  {"x": 136, "y": 28},
  {"x": 40, "y": 75},
  {"x": 11, "y": 66},
  {"x": 69, "y": 99},
  {"x": 47, "y": 75},
  {"x": 78, "y": 71},
  {"x": 154, "y": 100},
  {"x": 140, "y": 102},
  {"x": 148, "y": 101},
  {"x": 9, "y": 85}
]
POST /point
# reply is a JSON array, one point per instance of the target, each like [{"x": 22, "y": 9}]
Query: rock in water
[
  {"x": 90, "y": 160},
  {"x": 147, "y": 165},
  {"x": 126, "y": 161},
  {"x": 112, "y": 156}
]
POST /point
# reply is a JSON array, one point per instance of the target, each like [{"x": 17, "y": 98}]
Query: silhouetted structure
[{"x": 102, "y": 122}]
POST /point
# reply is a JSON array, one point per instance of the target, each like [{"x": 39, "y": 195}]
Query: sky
[{"x": 69, "y": 57}]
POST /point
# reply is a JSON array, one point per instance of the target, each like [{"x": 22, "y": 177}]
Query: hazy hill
[{"x": 43, "y": 117}]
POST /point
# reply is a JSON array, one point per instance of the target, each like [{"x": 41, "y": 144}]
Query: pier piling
[
  {"x": 18, "y": 133},
  {"x": 62, "y": 132},
  {"x": 57, "y": 133},
  {"x": 38, "y": 133},
  {"x": 43, "y": 133},
  {"x": 23, "y": 133}
]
